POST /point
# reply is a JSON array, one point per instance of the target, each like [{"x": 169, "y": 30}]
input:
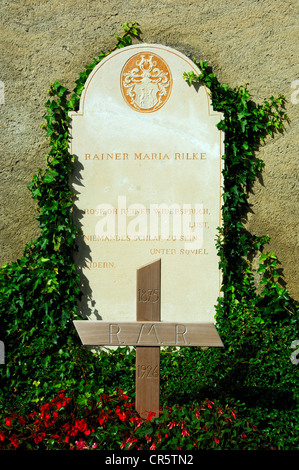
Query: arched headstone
[{"x": 148, "y": 177}]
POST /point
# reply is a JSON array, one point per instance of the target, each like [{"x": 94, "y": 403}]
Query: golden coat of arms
[{"x": 146, "y": 82}]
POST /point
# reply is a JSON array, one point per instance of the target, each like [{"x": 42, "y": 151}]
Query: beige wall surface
[{"x": 252, "y": 41}]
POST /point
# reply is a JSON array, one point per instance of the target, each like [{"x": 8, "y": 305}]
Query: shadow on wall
[{"x": 82, "y": 255}]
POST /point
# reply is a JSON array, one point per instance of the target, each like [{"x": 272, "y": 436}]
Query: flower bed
[{"x": 111, "y": 423}]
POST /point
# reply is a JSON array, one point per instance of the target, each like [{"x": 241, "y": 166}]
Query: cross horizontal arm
[{"x": 147, "y": 333}]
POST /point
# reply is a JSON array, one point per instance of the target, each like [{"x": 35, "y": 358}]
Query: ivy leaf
[{"x": 234, "y": 148}]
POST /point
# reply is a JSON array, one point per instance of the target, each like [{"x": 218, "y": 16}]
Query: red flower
[
  {"x": 14, "y": 441},
  {"x": 2, "y": 436},
  {"x": 243, "y": 435},
  {"x": 38, "y": 437},
  {"x": 73, "y": 432},
  {"x": 134, "y": 419},
  {"x": 81, "y": 445},
  {"x": 130, "y": 440},
  {"x": 184, "y": 430},
  {"x": 102, "y": 418},
  {"x": 197, "y": 412},
  {"x": 171, "y": 424},
  {"x": 150, "y": 415},
  {"x": 122, "y": 395},
  {"x": 66, "y": 427},
  {"x": 44, "y": 407},
  {"x": 61, "y": 400},
  {"x": 8, "y": 421},
  {"x": 21, "y": 420},
  {"x": 216, "y": 440},
  {"x": 121, "y": 414},
  {"x": 66, "y": 401},
  {"x": 81, "y": 425}
]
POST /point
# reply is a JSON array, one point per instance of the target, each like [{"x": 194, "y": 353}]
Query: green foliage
[{"x": 39, "y": 293}]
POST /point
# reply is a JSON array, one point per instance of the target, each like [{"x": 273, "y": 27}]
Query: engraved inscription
[
  {"x": 148, "y": 295},
  {"x": 114, "y": 331},
  {"x": 120, "y": 156},
  {"x": 147, "y": 371},
  {"x": 148, "y": 330},
  {"x": 180, "y": 332},
  {"x": 148, "y": 333}
]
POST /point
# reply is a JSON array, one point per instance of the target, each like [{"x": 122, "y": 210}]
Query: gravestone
[{"x": 147, "y": 178}]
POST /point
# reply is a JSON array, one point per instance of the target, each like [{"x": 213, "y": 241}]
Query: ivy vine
[
  {"x": 39, "y": 291},
  {"x": 246, "y": 126}
]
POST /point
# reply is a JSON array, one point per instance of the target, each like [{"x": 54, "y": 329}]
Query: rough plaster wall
[{"x": 249, "y": 41}]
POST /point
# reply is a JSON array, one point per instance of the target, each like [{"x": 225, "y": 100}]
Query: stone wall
[{"x": 252, "y": 41}]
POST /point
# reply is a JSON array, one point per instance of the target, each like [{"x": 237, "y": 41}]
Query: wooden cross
[{"x": 148, "y": 334}]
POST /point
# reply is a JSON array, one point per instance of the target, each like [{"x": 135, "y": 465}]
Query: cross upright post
[{"x": 148, "y": 309}]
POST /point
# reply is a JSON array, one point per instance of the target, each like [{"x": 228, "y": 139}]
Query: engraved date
[
  {"x": 146, "y": 371},
  {"x": 148, "y": 295}
]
